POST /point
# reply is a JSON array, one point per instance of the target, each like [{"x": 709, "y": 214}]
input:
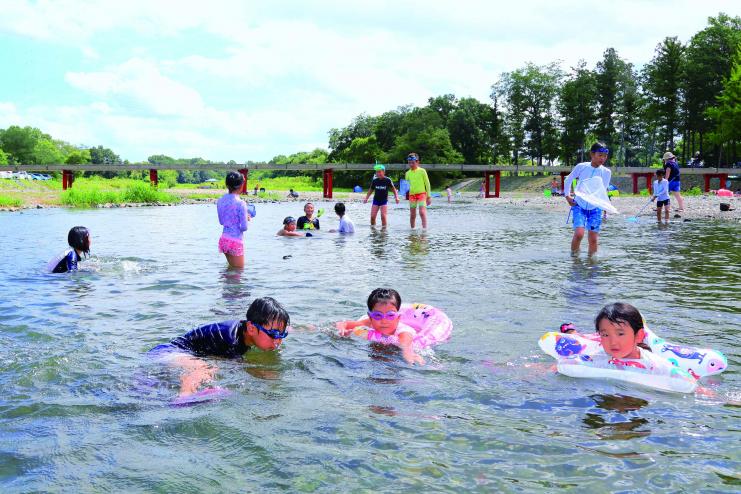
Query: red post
[
  {"x": 486, "y": 184},
  {"x": 245, "y": 173},
  {"x": 67, "y": 178},
  {"x": 563, "y": 180},
  {"x": 153, "y": 178},
  {"x": 723, "y": 181},
  {"x": 497, "y": 182},
  {"x": 327, "y": 179},
  {"x": 707, "y": 182},
  {"x": 635, "y": 182}
]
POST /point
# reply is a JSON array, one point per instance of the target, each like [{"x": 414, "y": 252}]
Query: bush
[
  {"x": 145, "y": 193},
  {"x": 694, "y": 191},
  {"x": 7, "y": 201}
]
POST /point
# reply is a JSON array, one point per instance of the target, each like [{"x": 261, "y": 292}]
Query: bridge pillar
[
  {"x": 497, "y": 181},
  {"x": 723, "y": 180},
  {"x": 327, "y": 180},
  {"x": 68, "y": 177},
  {"x": 245, "y": 173},
  {"x": 635, "y": 181},
  {"x": 563, "y": 180},
  {"x": 153, "y": 178}
]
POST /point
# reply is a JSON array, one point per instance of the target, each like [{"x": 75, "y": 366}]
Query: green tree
[
  {"x": 20, "y": 143},
  {"x": 576, "y": 106},
  {"x": 3, "y": 157},
  {"x": 662, "y": 82},
  {"x": 46, "y": 152},
  {"x": 161, "y": 159},
  {"x": 340, "y": 139},
  {"x": 470, "y": 124},
  {"x": 78, "y": 157},
  {"x": 100, "y": 155},
  {"x": 608, "y": 75},
  {"x": 727, "y": 113}
]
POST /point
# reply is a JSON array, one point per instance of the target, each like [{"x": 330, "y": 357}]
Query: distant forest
[{"x": 687, "y": 99}]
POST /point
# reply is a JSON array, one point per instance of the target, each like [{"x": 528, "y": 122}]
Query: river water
[{"x": 333, "y": 414}]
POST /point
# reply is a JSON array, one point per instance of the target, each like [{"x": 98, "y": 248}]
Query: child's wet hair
[
  {"x": 384, "y": 295},
  {"x": 266, "y": 310},
  {"x": 660, "y": 172},
  {"x": 339, "y": 208},
  {"x": 622, "y": 313},
  {"x": 79, "y": 239},
  {"x": 234, "y": 181},
  {"x": 597, "y": 147}
]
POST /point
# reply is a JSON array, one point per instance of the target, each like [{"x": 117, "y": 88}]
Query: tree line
[{"x": 687, "y": 99}]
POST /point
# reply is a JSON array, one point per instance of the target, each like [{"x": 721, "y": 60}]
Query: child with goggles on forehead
[
  {"x": 265, "y": 328},
  {"x": 383, "y": 324}
]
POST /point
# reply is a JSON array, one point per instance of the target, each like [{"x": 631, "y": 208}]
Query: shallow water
[{"x": 83, "y": 410}]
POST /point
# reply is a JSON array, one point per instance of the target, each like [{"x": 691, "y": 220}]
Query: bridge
[{"x": 328, "y": 169}]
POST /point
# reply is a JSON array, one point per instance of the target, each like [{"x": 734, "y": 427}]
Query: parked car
[
  {"x": 21, "y": 175},
  {"x": 6, "y": 174}
]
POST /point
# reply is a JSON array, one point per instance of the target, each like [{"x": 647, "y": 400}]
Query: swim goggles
[
  {"x": 379, "y": 316},
  {"x": 412, "y": 158},
  {"x": 602, "y": 150},
  {"x": 275, "y": 334}
]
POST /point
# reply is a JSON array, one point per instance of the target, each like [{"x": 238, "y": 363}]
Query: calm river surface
[{"x": 332, "y": 414}]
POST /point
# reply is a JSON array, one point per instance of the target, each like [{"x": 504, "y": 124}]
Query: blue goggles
[
  {"x": 276, "y": 334},
  {"x": 412, "y": 158},
  {"x": 602, "y": 150}
]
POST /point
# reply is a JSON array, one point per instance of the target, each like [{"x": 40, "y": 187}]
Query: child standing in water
[
  {"x": 661, "y": 195},
  {"x": 587, "y": 216},
  {"x": 265, "y": 328},
  {"x": 419, "y": 190},
  {"x": 78, "y": 239},
  {"x": 380, "y": 187},
  {"x": 384, "y": 325},
  {"x": 234, "y": 218}
]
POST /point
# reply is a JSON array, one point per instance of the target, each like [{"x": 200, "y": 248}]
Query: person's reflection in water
[
  {"x": 378, "y": 240},
  {"x": 582, "y": 292},
  {"x": 611, "y": 427},
  {"x": 232, "y": 281},
  {"x": 418, "y": 246}
]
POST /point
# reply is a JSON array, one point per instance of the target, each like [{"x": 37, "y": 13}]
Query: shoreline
[{"x": 696, "y": 207}]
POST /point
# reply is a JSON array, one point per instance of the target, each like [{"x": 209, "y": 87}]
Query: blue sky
[{"x": 249, "y": 80}]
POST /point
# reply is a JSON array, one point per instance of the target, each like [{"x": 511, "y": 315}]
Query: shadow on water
[
  {"x": 378, "y": 242},
  {"x": 582, "y": 290},
  {"x": 232, "y": 286},
  {"x": 616, "y": 426}
]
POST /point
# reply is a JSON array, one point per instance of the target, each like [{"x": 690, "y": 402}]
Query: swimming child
[
  {"x": 384, "y": 318},
  {"x": 308, "y": 222},
  {"x": 661, "y": 195},
  {"x": 78, "y": 239},
  {"x": 346, "y": 224},
  {"x": 289, "y": 228},
  {"x": 233, "y": 216},
  {"x": 265, "y": 328},
  {"x": 380, "y": 188}
]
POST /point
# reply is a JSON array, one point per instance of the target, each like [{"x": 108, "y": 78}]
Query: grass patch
[
  {"x": 694, "y": 191},
  {"x": 7, "y": 201},
  {"x": 89, "y": 194}
]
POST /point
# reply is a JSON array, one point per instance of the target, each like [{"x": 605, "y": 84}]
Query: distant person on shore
[
  {"x": 308, "y": 222},
  {"x": 292, "y": 194},
  {"x": 265, "y": 328},
  {"x": 585, "y": 215},
  {"x": 555, "y": 189},
  {"x": 346, "y": 225},
  {"x": 233, "y": 216},
  {"x": 696, "y": 161},
  {"x": 289, "y": 229},
  {"x": 380, "y": 189},
  {"x": 661, "y": 195},
  {"x": 481, "y": 190},
  {"x": 449, "y": 193},
  {"x": 671, "y": 172},
  {"x": 78, "y": 239},
  {"x": 419, "y": 190}
]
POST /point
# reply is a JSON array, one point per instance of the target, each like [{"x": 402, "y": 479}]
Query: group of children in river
[{"x": 620, "y": 326}]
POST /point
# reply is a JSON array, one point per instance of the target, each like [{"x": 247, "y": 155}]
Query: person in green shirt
[{"x": 419, "y": 190}]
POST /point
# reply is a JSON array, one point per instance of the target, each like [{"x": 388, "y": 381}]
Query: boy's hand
[
  {"x": 429, "y": 200},
  {"x": 570, "y": 200},
  {"x": 397, "y": 200},
  {"x": 365, "y": 201}
]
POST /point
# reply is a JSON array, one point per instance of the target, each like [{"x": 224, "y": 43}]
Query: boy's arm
[
  {"x": 370, "y": 191},
  {"x": 567, "y": 185}
]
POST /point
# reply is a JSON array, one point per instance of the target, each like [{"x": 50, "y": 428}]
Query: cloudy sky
[{"x": 247, "y": 80}]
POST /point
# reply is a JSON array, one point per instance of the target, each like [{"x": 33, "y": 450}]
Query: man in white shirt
[{"x": 587, "y": 216}]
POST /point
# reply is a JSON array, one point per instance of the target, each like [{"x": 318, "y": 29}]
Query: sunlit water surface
[{"x": 332, "y": 414}]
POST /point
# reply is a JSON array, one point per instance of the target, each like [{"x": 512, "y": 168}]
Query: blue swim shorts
[
  {"x": 674, "y": 186},
  {"x": 591, "y": 219},
  {"x": 380, "y": 203}
]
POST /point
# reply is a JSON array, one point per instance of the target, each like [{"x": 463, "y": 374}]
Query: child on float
[
  {"x": 308, "y": 221},
  {"x": 289, "y": 229},
  {"x": 380, "y": 188},
  {"x": 661, "y": 195},
  {"x": 586, "y": 216},
  {"x": 78, "y": 239},
  {"x": 346, "y": 225},
  {"x": 384, "y": 318},
  {"x": 233, "y": 216},
  {"x": 265, "y": 327}
]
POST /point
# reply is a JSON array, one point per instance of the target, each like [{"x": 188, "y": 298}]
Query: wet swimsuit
[
  {"x": 303, "y": 223},
  {"x": 219, "y": 339},
  {"x": 381, "y": 188},
  {"x": 64, "y": 262}
]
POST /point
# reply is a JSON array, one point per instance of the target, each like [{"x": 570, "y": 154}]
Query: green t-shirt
[{"x": 418, "y": 181}]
